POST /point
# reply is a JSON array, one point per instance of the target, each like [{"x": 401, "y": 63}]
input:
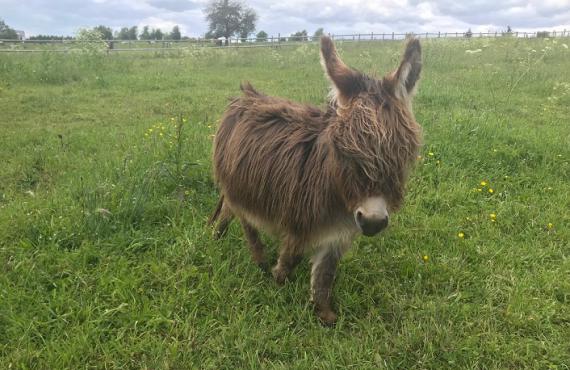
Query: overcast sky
[{"x": 65, "y": 17}]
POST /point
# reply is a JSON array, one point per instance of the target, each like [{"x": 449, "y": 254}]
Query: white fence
[{"x": 66, "y": 45}]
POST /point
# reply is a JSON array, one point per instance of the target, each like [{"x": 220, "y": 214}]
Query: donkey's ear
[
  {"x": 408, "y": 74},
  {"x": 345, "y": 81}
]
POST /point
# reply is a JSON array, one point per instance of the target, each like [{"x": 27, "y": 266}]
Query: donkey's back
[{"x": 266, "y": 153}]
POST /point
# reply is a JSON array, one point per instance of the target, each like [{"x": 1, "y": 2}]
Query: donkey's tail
[
  {"x": 221, "y": 217},
  {"x": 217, "y": 211}
]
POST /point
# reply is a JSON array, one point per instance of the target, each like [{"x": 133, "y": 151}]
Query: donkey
[{"x": 315, "y": 178}]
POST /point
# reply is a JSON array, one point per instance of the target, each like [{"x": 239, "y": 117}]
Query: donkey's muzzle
[{"x": 371, "y": 226}]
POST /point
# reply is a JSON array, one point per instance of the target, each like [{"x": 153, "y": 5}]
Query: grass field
[{"x": 105, "y": 187}]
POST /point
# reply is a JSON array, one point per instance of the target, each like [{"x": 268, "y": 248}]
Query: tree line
[
  {"x": 132, "y": 33},
  {"x": 226, "y": 19}
]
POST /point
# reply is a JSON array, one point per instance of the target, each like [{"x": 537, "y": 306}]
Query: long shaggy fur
[{"x": 298, "y": 167}]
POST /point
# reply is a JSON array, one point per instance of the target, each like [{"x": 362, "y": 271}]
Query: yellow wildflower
[
  {"x": 425, "y": 258},
  {"x": 430, "y": 154},
  {"x": 550, "y": 226},
  {"x": 483, "y": 183},
  {"x": 491, "y": 191},
  {"x": 461, "y": 235},
  {"x": 493, "y": 216}
]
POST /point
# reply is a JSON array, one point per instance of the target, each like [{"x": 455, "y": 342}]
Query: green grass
[{"x": 106, "y": 261}]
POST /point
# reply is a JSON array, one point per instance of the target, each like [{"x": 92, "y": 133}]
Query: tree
[
  {"x": 175, "y": 34},
  {"x": 6, "y": 32},
  {"x": 156, "y": 34},
  {"x": 261, "y": 36},
  {"x": 145, "y": 34},
  {"x": 318, "y": 33},
  {"x": 247, "y": 23},
  {"x": 468, "y": 34},
  {"x": 133, "y": 33},
  {"x": 123, "y": 34},
  {"x": 105, "y": 31},
  {"x": 299, "y": 36},
  {"x": 229, "y": 18}
]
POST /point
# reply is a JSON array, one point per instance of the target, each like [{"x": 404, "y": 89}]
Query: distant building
[{"x": 21, "y": 34}]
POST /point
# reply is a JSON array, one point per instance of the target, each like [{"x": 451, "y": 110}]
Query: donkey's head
[{"x": 375, "y": 133}]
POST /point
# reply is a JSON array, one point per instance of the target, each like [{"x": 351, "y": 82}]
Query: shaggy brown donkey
[{"x": 317, "y": 179}]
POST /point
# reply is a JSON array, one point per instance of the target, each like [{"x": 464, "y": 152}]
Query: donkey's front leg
[{"x": 325, "y": 262}]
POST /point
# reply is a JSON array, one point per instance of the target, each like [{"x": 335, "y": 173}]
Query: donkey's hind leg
[
  {"x": 255, "y": 245},
  {"x": 222, "y": 227},
  {"x": 222, "y": 217},
  {"x": 290, "y": 254}
]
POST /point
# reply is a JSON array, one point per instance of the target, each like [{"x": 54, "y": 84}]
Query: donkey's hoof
[
  {"x": 327, "y": 317},
  {"x": 279, "y": 275}
]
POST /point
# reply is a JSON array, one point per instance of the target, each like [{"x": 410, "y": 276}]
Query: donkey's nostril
[
  {"x": 358, "y": 216},
  {"x": 372, "y": 226}
]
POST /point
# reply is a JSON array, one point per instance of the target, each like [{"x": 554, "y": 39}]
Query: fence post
[
  {"x": 392, "y": 35},
  {"x": 438, "y": 34},
  {"x": 372, "y": 36}
]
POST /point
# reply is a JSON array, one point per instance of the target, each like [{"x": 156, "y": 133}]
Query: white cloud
[{"x": 285, "y": 17}]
